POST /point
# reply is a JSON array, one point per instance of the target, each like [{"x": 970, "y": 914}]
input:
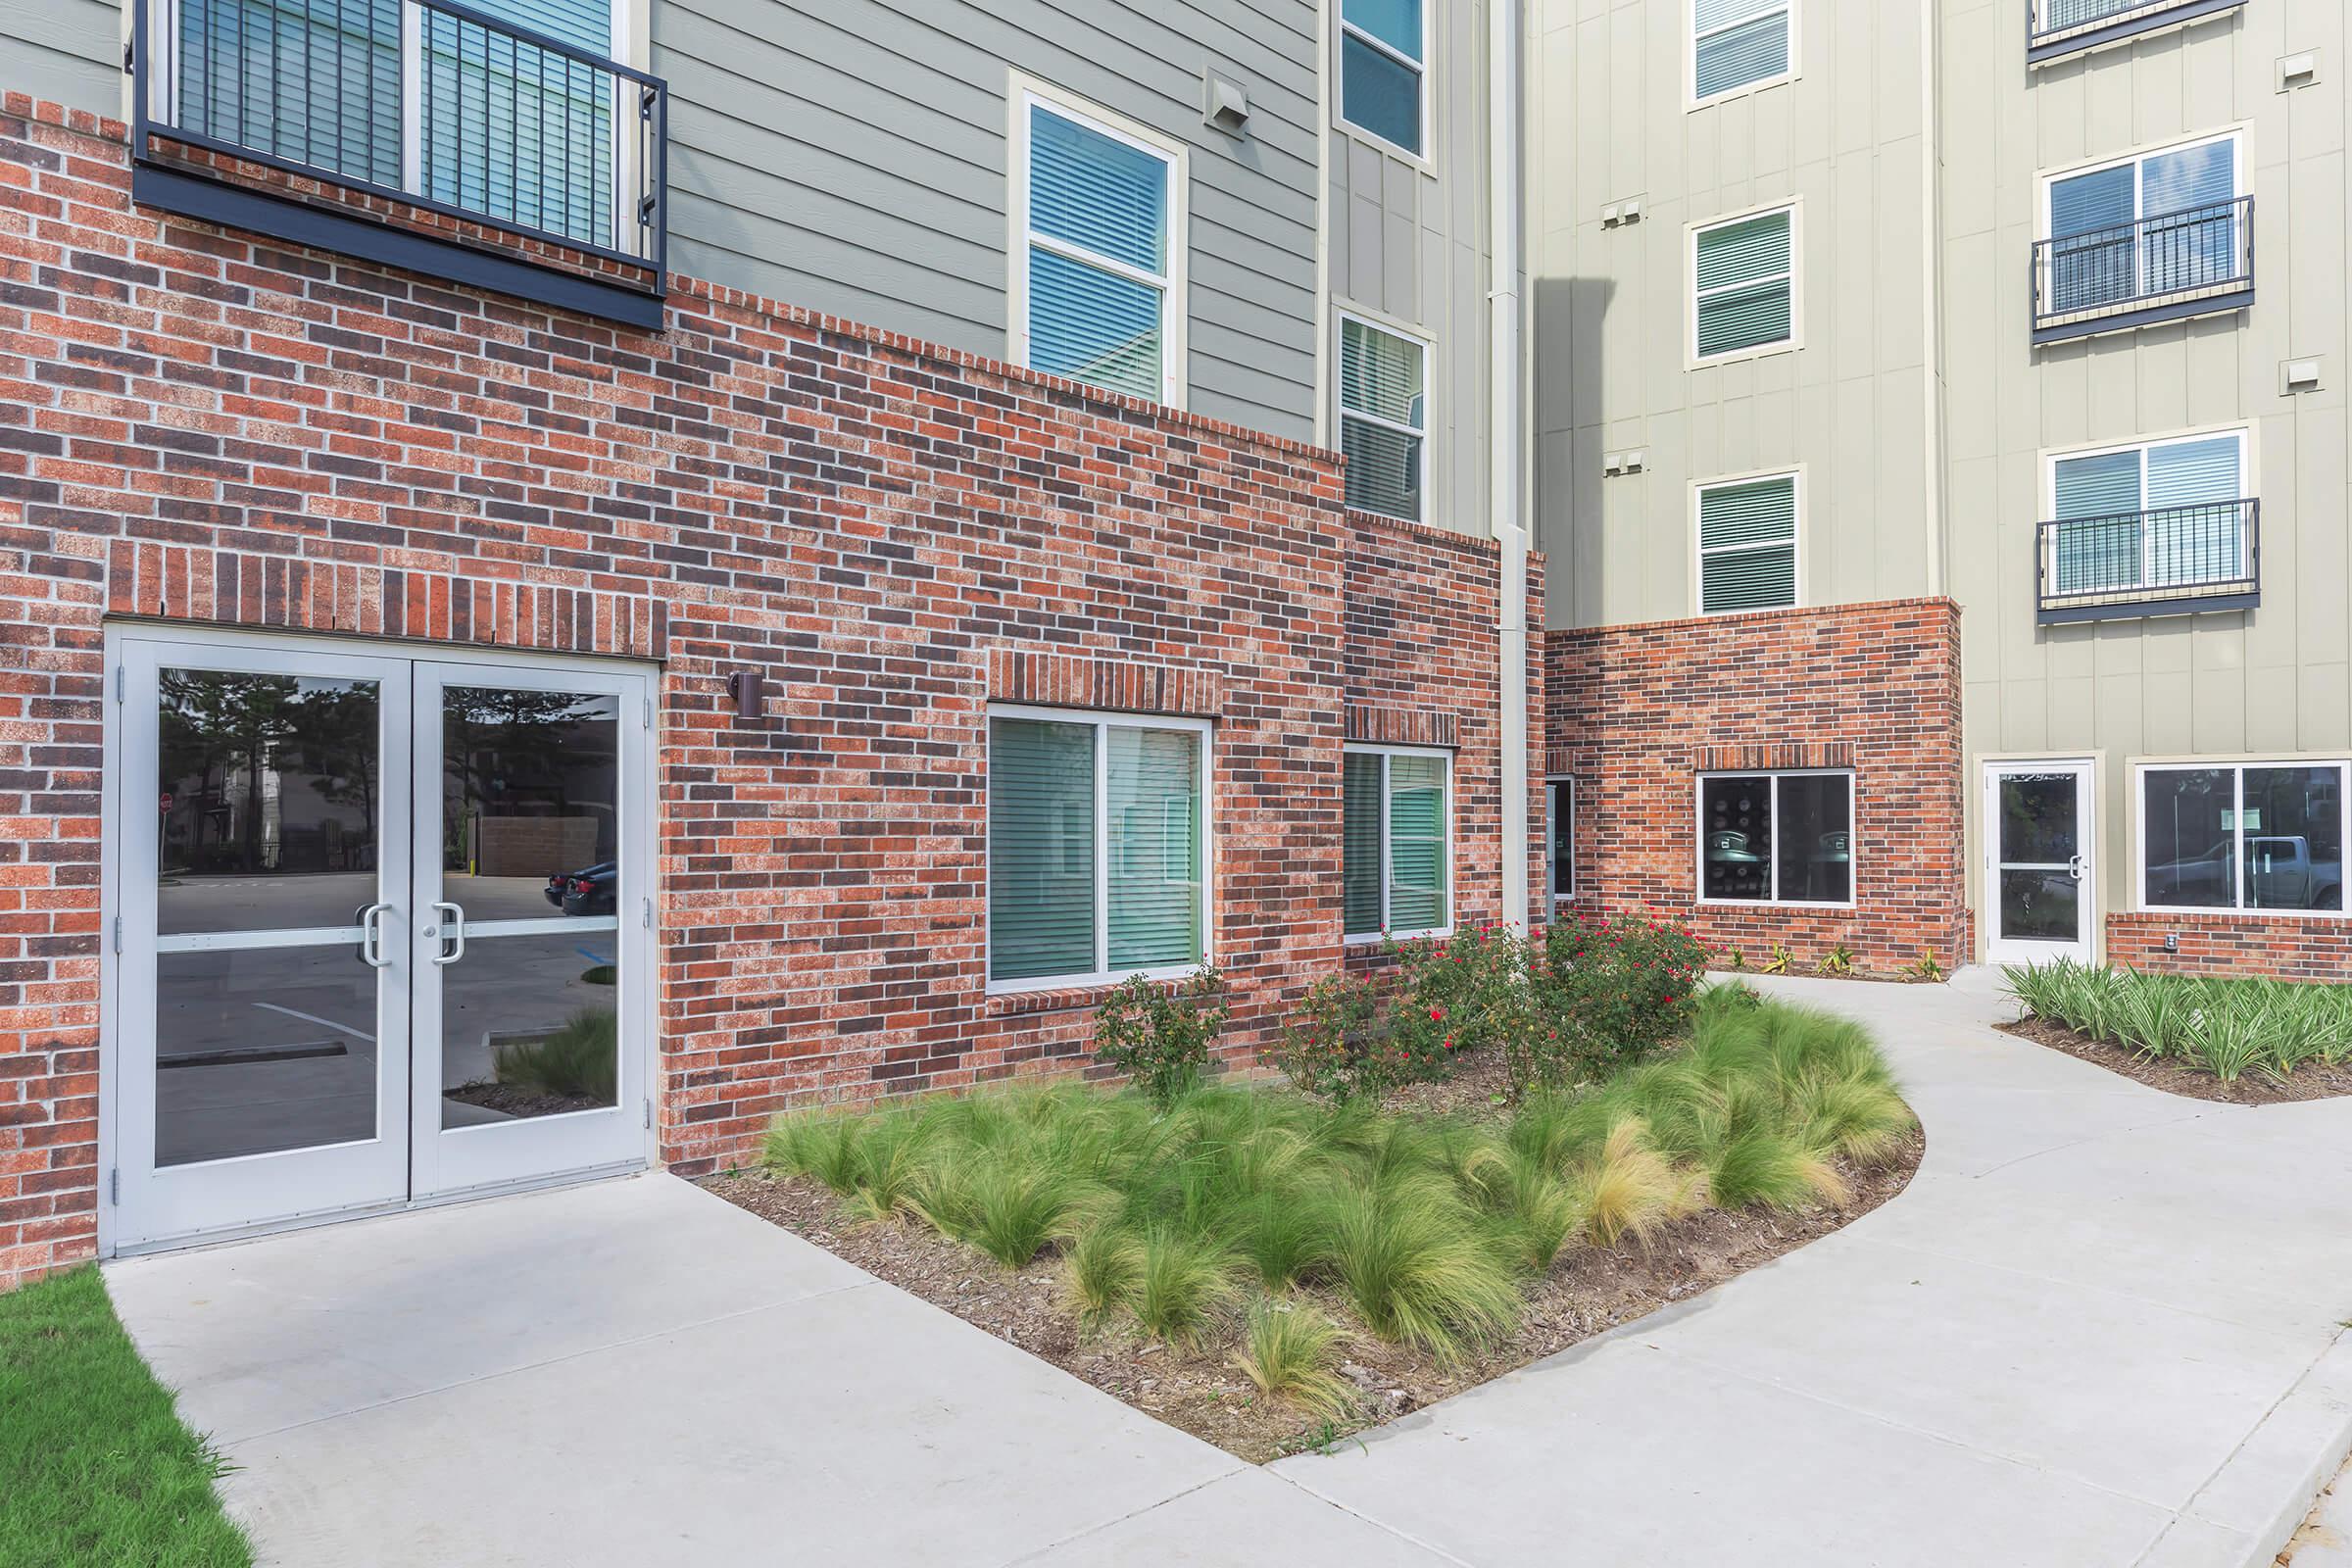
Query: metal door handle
[
  {"x": 2075, "y": 866},
  {"x": 446, "y": 931},
  {"x": 372, "y": 936}
]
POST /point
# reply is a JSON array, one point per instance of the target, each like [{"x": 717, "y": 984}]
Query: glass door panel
[
  {"x": 528, "y": 970},
  {"x": 262, "y": 825},
  {"x": 2037, "y": 823}
]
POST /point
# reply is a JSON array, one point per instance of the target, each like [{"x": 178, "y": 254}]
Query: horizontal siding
[
  {"x": 67, "y": 51},
  {"x": 850, "y": 155}
]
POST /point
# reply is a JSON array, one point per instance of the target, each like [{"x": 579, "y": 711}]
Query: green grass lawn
[{"x": 96, "y": 1467}]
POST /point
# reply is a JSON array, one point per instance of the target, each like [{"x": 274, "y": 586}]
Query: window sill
[
  {"x": 1013, "y": 998},
  {"x": 1783, "y": 906},
  {"x": 2232, "y": 916}
]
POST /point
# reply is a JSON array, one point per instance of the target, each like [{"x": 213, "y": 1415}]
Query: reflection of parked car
[
  {"x": 2281, "y": 874},
  {"x": 592, "y": 890},
  {"x": 1728, "y": 847}
]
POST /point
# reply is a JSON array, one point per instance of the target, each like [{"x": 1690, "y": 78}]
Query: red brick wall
[
  {"x": 2225, "y": 945},
  {"x": 205, "y": 426},
  {"x": 1635, "y": 713},
  {"x": 1424, "y": 670}
]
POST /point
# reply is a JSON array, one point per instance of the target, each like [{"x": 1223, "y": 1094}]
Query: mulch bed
[
  {"x": 1588, "y": 1291},
  {"x": 2311, "y": 1081}
]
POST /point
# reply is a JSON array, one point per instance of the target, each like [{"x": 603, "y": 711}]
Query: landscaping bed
[
  {"x": 2236, "y": 1042},
  {"x": 96, "y": 1469},
  {"x": 1462, "y": 1177}
]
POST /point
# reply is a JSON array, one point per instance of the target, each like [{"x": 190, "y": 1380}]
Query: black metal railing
[
  {"x": 2172, "y": 265},
  {"x": 428, "y": 103},
  {"x": 2063, "y": 27},
  {"x": 2206, "y": 555}
]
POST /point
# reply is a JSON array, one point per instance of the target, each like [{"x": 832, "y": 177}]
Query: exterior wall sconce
[{"x": 747, "y": 689}]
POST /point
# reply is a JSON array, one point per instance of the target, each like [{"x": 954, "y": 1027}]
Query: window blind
[
  {"x": 1416, "y": 843},
  {"x": 1362, "y": 871},
  {"x": 1382, "y": 409},
  {"x": 1735, "y": 45},
  {"x": 314, "y": 82},
  {"x": 1153, "y": 808},
  {"x": 1742, "y": 275},
  {"x": 1747, "y": 544},
  {"x": 1105, "y": 201},
  {"x": 517, "y": 132},
  {"x": 1041, "y": 849},
  {"x": 1379, "y": 91}
]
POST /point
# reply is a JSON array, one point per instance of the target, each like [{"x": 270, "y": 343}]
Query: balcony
[
  {"x": 2173, "y": 561},
  {"x": 2056, "y": 29},
  {"x": 2197, "y": 261},
  {"x": 420, "y": 134}
]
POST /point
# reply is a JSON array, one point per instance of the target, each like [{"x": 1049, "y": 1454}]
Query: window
[
  {"x": 1099, "y": 269},
  {"x": 1560, "y": 831},
  {"x": 1776, "y": 838},
  {"x": 2159, "y": 224},
  {"x": 2154, "y": 515},
  {"x": 1384, "y": 413},
  {"x": 1098, "y": 858},
  {"x": 1748, "y": 544},
  {"x": 1740, "y": 43},
  {"x": 1384, "y": 54},
  {"x": 2242, "y": 836},
  {"x": 1396, "y": 833},
  {"x": 1744, "y": 282}
]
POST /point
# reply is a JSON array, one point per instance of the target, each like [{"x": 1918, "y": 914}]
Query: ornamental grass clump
[
  {"x": 1270, "y": 1222},
  {"x": 2224, "y": 1026}
]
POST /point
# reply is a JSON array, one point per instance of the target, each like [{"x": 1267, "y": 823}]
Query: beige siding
[
  {"x": 1609, "y": 120},
  {"x": 2277, "y": 679},
  {"x": 1408, "y": 248}
]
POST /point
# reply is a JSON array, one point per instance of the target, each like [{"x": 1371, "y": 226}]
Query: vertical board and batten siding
[
  {"x": 850, "y": 155},
  {"x": 1607, "y": 121},
  {"x": 1409, "y": 241},
  {"x": 67, "y": 51},
  {"x": 2277, "y": 679}
]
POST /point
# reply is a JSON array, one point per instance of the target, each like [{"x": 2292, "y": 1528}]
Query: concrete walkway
[{"x": 2101, "y": 1328}]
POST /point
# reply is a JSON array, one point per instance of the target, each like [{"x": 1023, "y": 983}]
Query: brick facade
[
  {"x": 205, "y": 427},
  {"x": 1635, "y": 713},
  {"x": 2278, "y": 946}
]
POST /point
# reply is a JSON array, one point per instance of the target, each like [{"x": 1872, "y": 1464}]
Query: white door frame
[
  {"x": 465, "y": 1158},
  {"x": 2084, "y": 867},
  {"x": 159, "y": 1205},
  {"x": 128, "y": 841}
]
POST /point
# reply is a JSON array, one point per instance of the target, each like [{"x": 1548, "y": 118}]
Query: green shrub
[
  {"x": 2224, "y": 1026},
  {"x": 1336, "y": 1043},
  {"x": 1104, "y": 1266},
  {"x": 579, "y": 1060},
  {"x": 1623, "y": 986},
  {"x": 1418, "y": 1266},
  {"x": 1160, "y": 1036}
]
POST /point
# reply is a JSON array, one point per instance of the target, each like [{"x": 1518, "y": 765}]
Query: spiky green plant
[
  {"x": 1104, "y": 1266},
  {"x": 577, "y": 1060},
  {"x": 1418, "y": 1266},
  {"x": 1180, "y": 1283},
  {"x": 1286, "y": 1350}
]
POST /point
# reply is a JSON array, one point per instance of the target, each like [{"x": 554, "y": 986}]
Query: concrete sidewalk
[{"x": 2099, "y": 1329}]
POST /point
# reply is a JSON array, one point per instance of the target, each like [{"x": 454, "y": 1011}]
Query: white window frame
[
  {"x": 1794, "y": 207},
  {"x": 1797, "y": 539},
  {"x": 1551, "y": 828},
  {"x": 1429, "y": 357},
  {"x": 2046, "y": 180},
  {"x": 2142, "y": 445},
  {"x": 1101, "y": 974},
  {"x": 1028, "y": 94},
  {"x": 1853, "y": 837},
  {"x": 1444, "y": 927},
  {"x": 1425, "y": 155},
  {"x": 1692, "y": 100},
  {"x": 2237, "y": 766}
]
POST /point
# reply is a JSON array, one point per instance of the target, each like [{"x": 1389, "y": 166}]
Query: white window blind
[
  {"x": 1747, "y": 544},
  {"x": 1744, "y": 275},
  {"x": 1098, "y": 255},
  {"x": 1737, "y": 43},
  {"x": 1383, "y": 418}
]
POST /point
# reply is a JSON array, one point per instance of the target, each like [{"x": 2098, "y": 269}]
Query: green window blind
[
  {"x": 1041, "y": 849},
  {"x": 1417, "y": 868},
  {"x": 1153, "y": 808},
  {"x": 1744, "y": 274},
  {"x": 1383, "y": 414},
  {"x": 1747, "y": 544},
  {"x": 1098, "y": 255},
  {"x": 1361, "y": 873},
  {"x": 1737, "y": 42},
  {"x": 314, "y": 82}
]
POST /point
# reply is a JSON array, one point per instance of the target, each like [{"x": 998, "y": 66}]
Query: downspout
[{"x": 1505, "y": 434}]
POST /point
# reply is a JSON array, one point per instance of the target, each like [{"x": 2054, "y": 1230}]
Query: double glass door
[{"x": 384, "y": 929}]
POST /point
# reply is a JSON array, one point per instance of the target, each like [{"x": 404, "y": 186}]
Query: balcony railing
[
  {"x": 2171, "y": 561},
  {"x": 2056, "y": 27},
  {"x": 424, "y": 123},
  {"x": 2196, "y": 261}
]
